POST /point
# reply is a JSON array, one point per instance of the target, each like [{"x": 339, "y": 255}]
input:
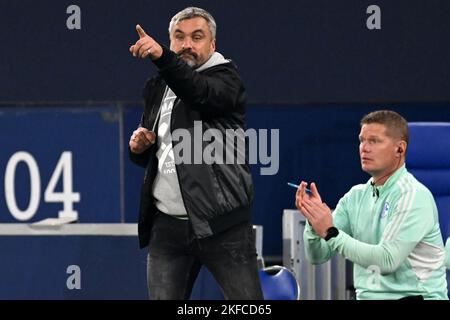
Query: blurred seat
[
  {"x": 278, "y": 283},
  {"x": 428, "y": 159}
]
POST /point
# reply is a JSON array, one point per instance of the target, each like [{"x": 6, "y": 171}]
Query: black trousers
[{"x": 175, "y": 257}]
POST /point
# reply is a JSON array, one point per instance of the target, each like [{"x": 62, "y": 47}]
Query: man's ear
[{"x": 401, "y": 147}]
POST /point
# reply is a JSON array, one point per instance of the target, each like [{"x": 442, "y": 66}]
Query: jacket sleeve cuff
[
  {"x": 165, "y": 59},
  {"x": 310, "y": 231},
  {"x": 140, "y": 159}
]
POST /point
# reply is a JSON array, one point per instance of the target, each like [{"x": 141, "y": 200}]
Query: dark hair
[{"x": 396, "y": 125}]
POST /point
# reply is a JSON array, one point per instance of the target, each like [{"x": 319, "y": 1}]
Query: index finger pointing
[{"x": 140, "y": 31}]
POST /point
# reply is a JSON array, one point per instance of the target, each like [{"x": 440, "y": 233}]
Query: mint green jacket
[{"x": 393, "y": 239}]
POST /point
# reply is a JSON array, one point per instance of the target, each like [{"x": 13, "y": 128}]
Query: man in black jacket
[{"x": 194, "y": 211}]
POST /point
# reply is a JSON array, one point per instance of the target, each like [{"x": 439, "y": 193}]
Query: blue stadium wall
[{"x": 312, "y": 69}]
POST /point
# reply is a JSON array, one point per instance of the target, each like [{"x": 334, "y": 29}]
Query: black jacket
[{"x": 216, "y": 196}]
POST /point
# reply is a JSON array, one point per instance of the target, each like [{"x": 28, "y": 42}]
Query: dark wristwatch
[{"x": 331, "y": 233}]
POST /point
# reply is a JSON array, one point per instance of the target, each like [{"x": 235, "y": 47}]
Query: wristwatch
[{"x": 331, "y": 233}]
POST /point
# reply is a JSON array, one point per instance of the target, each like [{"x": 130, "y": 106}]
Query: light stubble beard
[{"x": 189, "y": 57}]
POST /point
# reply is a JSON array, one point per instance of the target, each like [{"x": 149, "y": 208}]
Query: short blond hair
[{"x": 396, "y": 125}]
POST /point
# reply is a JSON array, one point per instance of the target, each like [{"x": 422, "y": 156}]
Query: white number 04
[{"x": 67, "y": 196}]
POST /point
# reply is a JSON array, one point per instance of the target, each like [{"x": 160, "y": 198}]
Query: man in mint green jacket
[{"x": 387, "y": 227}]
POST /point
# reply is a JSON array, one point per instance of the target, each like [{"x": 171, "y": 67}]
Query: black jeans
[{"x": 175, "y": 257}]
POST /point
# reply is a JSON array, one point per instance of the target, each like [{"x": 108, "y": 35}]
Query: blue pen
[{"x": 293, "y": 185}]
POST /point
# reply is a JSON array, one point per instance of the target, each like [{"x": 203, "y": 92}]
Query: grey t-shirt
[{"x": 166, "y": 188}]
